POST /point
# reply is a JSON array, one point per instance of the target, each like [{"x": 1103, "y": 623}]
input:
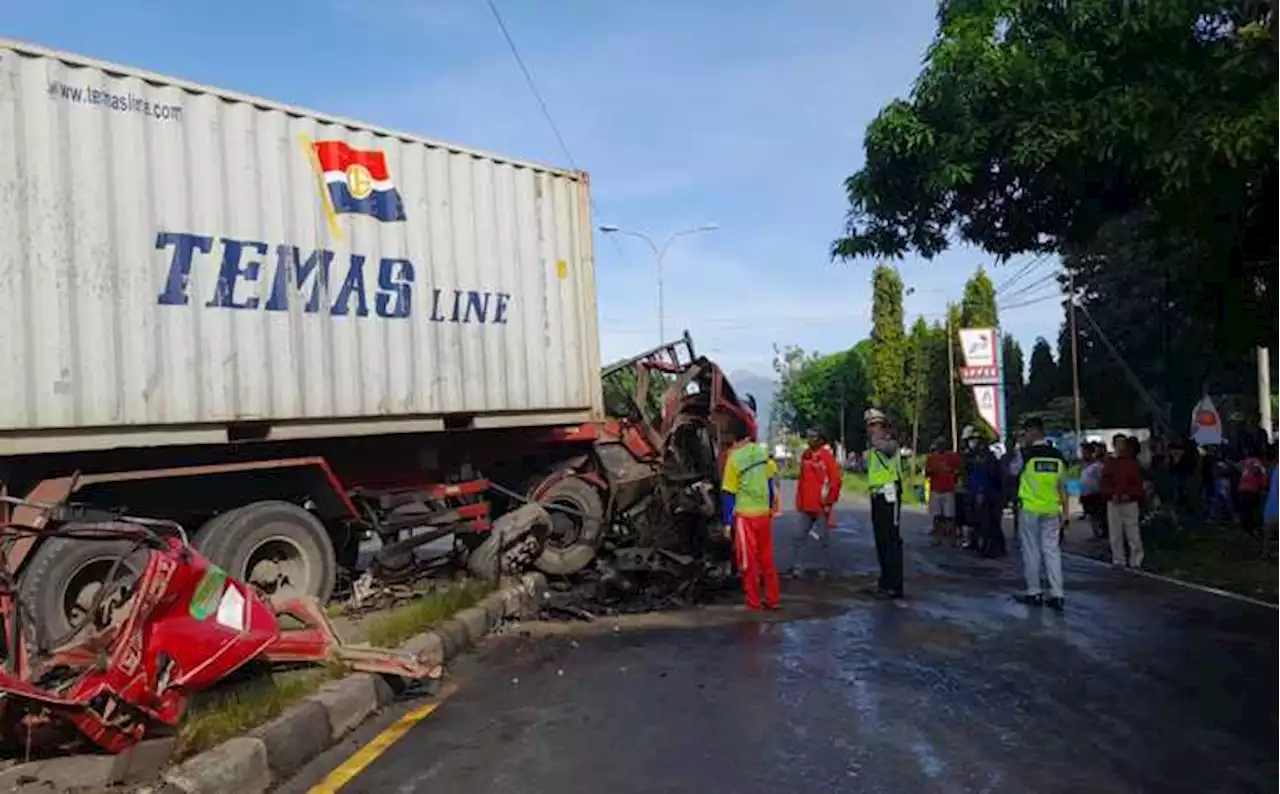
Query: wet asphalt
[{"x": 1140, "y": 686}]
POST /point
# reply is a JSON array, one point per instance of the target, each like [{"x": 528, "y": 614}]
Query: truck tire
[
  {"x": 513, "y": 544},
  {"x": 277, "y": 547},
  {"x": 575, "y": 536},
  {"x": 62, "y": 577}
]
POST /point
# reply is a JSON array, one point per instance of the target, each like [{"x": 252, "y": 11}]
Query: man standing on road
[
  {"x": 1122, "y": 489},
  {"x": 884, "y": 481},
  {"x": 1042, "y": 503},
  {"x": 749, "y": 500},
  {"x": 986, "y": 488},
  {"x": 817, "y": 492},
  {"x": 942, "y": 468}
]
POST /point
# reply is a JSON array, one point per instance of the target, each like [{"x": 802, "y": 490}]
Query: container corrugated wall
[{"x": 174, "y": 256}]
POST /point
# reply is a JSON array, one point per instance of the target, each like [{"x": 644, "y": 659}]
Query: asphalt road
[{"x": 1140, "y": 686}]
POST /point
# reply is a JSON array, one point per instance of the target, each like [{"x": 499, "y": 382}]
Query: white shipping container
[{"x": 176, "y": 258}]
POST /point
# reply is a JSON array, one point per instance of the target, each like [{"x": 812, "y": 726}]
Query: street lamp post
[{"x": 659, "y": 253}]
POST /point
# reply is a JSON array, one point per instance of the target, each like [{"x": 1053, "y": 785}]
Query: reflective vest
[
  {"x": 1043, "y": 470},
  {"x": 747, "y": 473},
  {"x": 882, "y": 469}
]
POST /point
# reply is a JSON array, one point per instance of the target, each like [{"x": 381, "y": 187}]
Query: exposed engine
[{"x": 635, "y": 524}]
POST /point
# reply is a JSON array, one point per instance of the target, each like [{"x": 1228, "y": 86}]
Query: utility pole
[
  {"x": 1264, "y": 390},
  {"x": 844, "y": 449},
  {"x": 1075, "y": 355},
  {"x": 951, "y": 381},
  {"x": 915, "y": 425}
]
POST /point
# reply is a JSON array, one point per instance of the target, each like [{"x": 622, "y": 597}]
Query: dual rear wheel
[{"x": 280, "y": 548}]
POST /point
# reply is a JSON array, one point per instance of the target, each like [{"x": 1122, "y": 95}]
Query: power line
[
  {"x": 1025, "y": 289},
  {"x": 1134, "y": 380},
  {"x": 1009, "y": 282},
  {"x": 1022, "y": 304},
  {"x": 546, "y": 112},
  {"x": 732, "y": 325},
  {"x": 533, "y": 86}
]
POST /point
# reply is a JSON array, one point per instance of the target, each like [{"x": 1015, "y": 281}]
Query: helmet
[{"x": 874, "y": 415}]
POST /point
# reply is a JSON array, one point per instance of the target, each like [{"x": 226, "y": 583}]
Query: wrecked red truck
[{"x": 287, "y": 334}]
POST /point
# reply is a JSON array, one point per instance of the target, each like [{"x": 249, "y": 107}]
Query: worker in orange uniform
[
  {"x": 749, "y": 501},
  {"x": 817, "y": 491}
]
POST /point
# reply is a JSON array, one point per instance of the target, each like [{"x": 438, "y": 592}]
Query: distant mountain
[{"x": 762, "y": 388}]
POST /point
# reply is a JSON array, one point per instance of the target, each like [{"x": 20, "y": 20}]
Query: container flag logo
[{"x": 354, "y": 182}]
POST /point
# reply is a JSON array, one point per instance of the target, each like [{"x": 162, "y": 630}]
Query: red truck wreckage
[{"x": 109, "y": 623}]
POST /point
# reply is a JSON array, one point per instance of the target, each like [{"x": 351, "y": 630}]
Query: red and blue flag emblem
[{"x": 358, "y": 181}]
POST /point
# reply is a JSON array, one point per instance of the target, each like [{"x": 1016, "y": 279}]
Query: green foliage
[
  {"x": 619, "y": 390},
  {"x": 1042, "y": 377},
  {"x": 1138, "y": 140},
  {"x": 930, "y": 399},
  {"x": 888, "y": 355},
  {"x": 1015, "y": 384},
  {"x": 978, "y": 304},
  {"x": 813, "y": 388},
  {"x": 1059, "y": 415}
]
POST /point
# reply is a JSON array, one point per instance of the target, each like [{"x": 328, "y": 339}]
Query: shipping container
[{"x": 178, "y": 260}]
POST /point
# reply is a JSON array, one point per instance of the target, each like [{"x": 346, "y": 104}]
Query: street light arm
[
  {"x": 709, "y": 227},
  {"x": 638, "y": 235},
  {"x": 659, "y": 253}
]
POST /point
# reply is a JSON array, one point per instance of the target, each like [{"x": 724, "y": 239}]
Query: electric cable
[{"x": 546, "y": 113}]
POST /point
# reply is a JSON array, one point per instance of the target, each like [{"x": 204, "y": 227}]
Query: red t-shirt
[{"x": 943, "y": 471}]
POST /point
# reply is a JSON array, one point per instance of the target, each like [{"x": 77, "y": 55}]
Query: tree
[
  {"x": 1014, "y": 380},
  {"x": 978, "y": 304},
  {"x": 1059, "y": 415},
  {"x": 888, "y": 356},
  {"x": 1042, "y": 380},
  {"x": 1042, "y": 127},
  {"x": 788, "y": 362},
  {"x": 815, "y": 387},
  {"x": 928, "y": 397}
]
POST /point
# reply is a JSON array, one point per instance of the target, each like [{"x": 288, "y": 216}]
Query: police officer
[
  {"x": 884, "y": 480},
  {"x": 1042, "y": 514}
]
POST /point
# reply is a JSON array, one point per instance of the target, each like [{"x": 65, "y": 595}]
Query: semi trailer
[{"x": 290, "y": 332}]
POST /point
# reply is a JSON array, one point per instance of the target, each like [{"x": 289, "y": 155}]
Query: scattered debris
[{"x": 148, "y": 640}]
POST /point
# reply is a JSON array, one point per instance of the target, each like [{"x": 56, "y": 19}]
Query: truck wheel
[
  {"x": 277, "y": 547},
  {"x": 575, "y": 536},
  {"x": 516, "y": 541},
  {"x": 63, "y": 577}
]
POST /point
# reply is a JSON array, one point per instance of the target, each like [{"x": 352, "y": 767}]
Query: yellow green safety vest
[
  {"x": 1042, "y": 471},
  {"x": 882, "y": 469},
  {"x": 747, "y": 474}
]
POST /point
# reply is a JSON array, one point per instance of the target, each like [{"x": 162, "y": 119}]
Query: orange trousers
[{"x": 753, "y": 547}]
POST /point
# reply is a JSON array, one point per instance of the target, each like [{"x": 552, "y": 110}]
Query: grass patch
[
  {"x": 241, "y": 707},
  {"x": 393, "y": 628},
  {"x": 247, "y": 706},
  {"x": 1224, "y": 557}
]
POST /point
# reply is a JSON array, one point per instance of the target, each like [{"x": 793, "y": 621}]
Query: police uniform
[
  {"x": 884, "y": 481},
  {"x": 1040, "y": 486}
]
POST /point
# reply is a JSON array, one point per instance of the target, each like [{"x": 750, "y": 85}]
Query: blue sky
[{"x": 746, "y": 114}]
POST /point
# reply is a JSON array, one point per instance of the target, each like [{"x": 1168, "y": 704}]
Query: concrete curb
[
  {"x": 273, "y": 752},
  {"x": 1203, "y": 588}
]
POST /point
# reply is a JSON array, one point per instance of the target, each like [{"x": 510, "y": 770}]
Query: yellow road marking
[{"x": 360, "y": 759}]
